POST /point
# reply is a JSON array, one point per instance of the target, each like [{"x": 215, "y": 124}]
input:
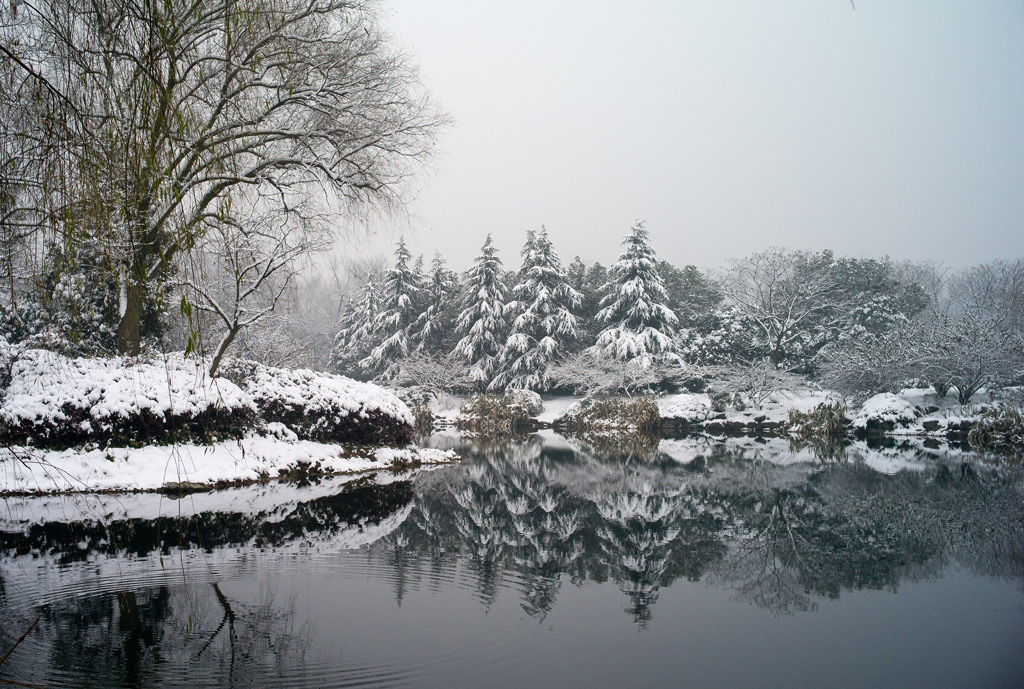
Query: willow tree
[{"x": 158, "y": 113}]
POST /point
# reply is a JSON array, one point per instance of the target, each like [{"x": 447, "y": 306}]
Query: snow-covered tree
[
  {"x": 592, "y": 372},
  {"x": 145, "y": 117},
  {"x": 483, "y": 322},
  {"x": 752, "y": 380},
  {"x": 435, "y": 323},
  {"x": 801, "y": 301},
  {"x": 638, "y": 321},
  {"x": 393, "y": 326},
  {"x": 354, "y": 340},
  {"x": 589, "y": 281},
  {"x": 545, "y": 323},
  {"x": 965, "y": 352}
]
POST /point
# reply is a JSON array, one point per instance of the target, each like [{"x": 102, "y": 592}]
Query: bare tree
[
  {"x": 932, "y": 277},
  {"x": 787, "y": 293},
  {"x": 434, "y": 374},
  {"x": 151, "y": 113},
  {"x": 243, "y": 266},
  {"x": 994, "y": 291},
  {"x": 755, "y": 379},
  {"x": 593, "y": 372},
  {"x": 964, "y": 352}
]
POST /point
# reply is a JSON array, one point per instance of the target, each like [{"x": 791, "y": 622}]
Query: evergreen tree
[
  {"x": 435, "y": 323},
  {"x": 482, "y": 322},
  {"x": 393, "y": 326},
  {"x": 691, "y": 295},
  {"x": 355, "y": 338},
  {"x": 589, "y": 282},
  {"x": 638, "y": 322},
  {"x": 545, "y": 323}
]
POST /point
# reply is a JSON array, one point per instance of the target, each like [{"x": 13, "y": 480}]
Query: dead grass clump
[
  {"x": 998, "y": 428},
  {"x": 607, "y": 414},
  {"x": 509, "y": 412},
  {"x": 826, "y": 422}
]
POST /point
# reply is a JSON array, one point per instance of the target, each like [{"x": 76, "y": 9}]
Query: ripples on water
[{"x": 537, "y": 562}]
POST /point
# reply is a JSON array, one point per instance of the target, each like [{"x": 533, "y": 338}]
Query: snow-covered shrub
[
  {"x": 56, "y": 400},
  {"x": 8, "y": 355},
  {"x": 687, "y": 407},
  {"x": 512, "y": 411},
  {"x": 611, "y": 414},
  {"x": 884, "y": 411},
  {"x": 323, "y": 406}
]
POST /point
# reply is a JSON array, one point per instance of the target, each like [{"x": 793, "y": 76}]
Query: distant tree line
[{"x": 858, "y": 325}]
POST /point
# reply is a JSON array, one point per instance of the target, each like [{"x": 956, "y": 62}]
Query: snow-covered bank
[
  {"x": 56, "y": 401},
  {"x": 119, "y": 424},
  {"x": 323, "y": 406},
  {"x": 30, "y": 470}
]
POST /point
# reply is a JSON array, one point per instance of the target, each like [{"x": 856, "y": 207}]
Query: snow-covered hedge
[
  {"x": 323, "y": 406},
  {"x": 884, "y": 412},
  {"x": 54, "y": 400}
]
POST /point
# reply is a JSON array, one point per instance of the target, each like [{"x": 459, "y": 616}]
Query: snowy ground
[{"x": 149, "y": 468}]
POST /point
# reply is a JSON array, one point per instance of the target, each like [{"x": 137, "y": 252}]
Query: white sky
[{"x": 729, "y": 126}]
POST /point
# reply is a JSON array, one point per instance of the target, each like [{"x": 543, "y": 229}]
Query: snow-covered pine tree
[
  {"x": 355, "y": 338},
  {"x": 638, "y": 321},
  {"x": 440, "y": 287},
  {"x": 482, "y": 322},
  {"x": 545, "y": 323},
  {"x": 401, "y": 292}
]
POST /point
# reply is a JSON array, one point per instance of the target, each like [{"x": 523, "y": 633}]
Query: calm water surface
[{"x": 536, "y": 563}]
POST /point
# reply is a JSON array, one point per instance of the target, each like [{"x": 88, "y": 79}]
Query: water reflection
[{"x": 778, "y": 527}]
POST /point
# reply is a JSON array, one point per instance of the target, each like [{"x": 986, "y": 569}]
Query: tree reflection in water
[{"x": 524, "y": 518}]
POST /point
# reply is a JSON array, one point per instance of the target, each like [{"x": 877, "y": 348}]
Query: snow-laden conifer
[
  {"x": 545, "y": 322},
  {"x": 482, "y": 322},
  {"x": 638, "y": 323},
  {"x": 355, "y": 337},
  {"x": 440, "y": 287},
  {"x": 401, "y": 294}
]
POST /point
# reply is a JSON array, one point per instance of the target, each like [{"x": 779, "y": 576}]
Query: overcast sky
[{"x": 729, "y": 126}]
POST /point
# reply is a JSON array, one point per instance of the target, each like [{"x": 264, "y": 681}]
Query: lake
[{"x": 537, "y": 562}]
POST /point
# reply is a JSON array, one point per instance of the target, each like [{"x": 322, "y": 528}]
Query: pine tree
[
  {"x": 354, "y": 340},
  {"x": 545, "y": 324},
  {"x": 638, "y": 321},
  {"x": 434, "y": 324},
  {"x": 401, "y": 294},
  {"x": 482, "y": 322}
]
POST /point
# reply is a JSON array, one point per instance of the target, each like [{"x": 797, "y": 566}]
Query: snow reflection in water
[{"x": 534, "y": 562}]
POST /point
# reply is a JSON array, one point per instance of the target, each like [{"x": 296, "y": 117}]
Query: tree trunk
[
  {"x": 130, "y": 326},
  {"x": 225, "y": 342}
]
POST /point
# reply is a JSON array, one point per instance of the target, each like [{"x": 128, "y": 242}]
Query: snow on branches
[
  {"x": 638, "y": 322},
  {"x": 545, "y": 323},
  {"x": 482, "y": 322}
]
